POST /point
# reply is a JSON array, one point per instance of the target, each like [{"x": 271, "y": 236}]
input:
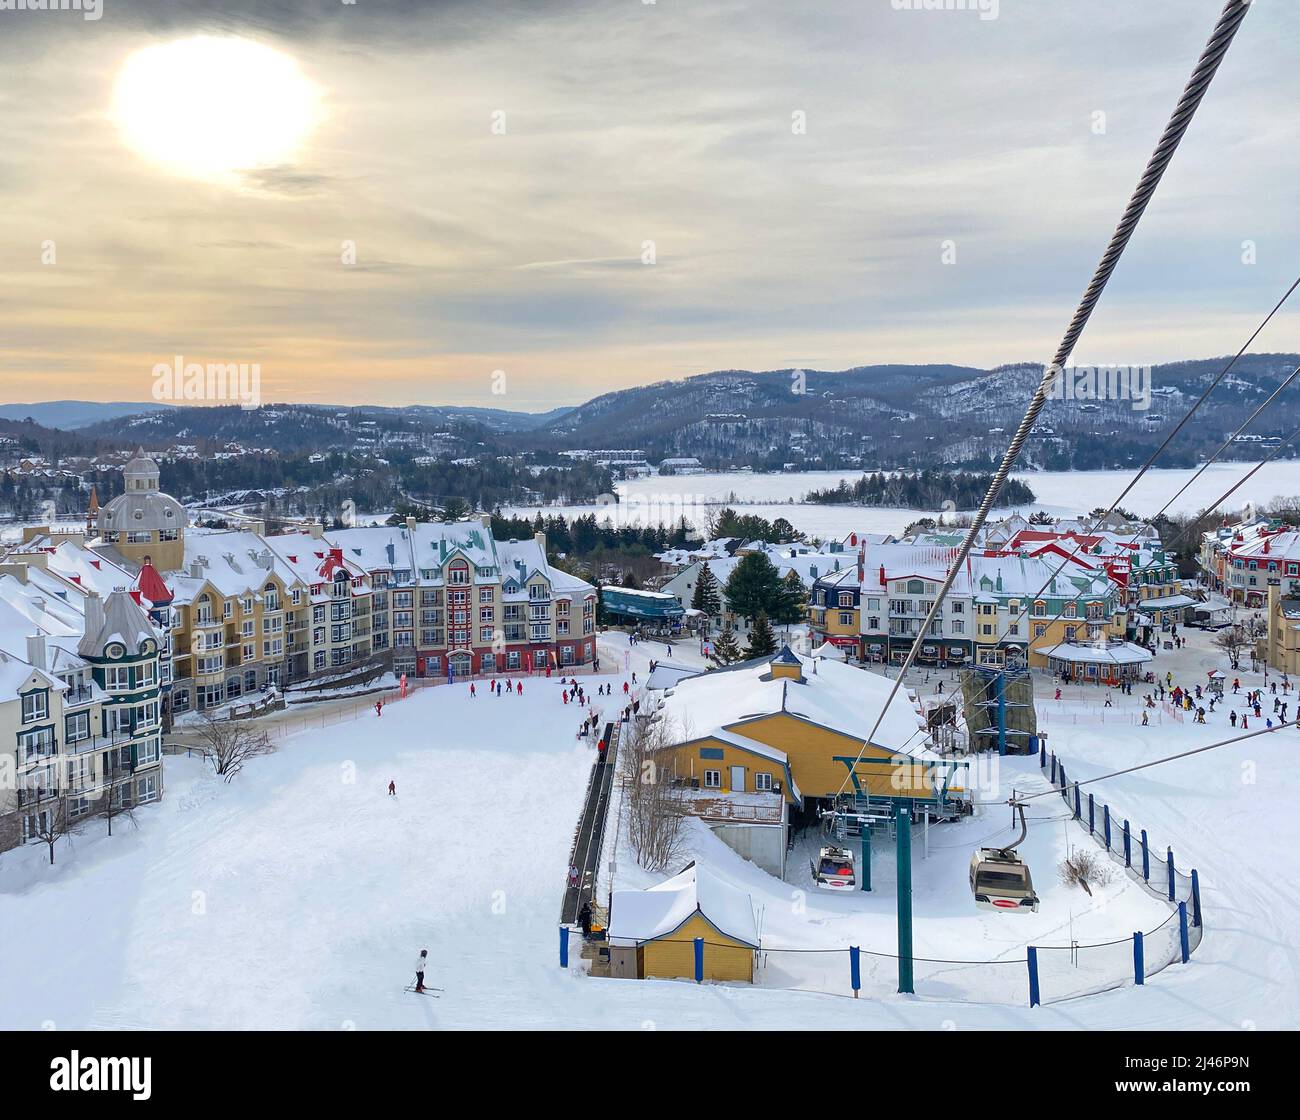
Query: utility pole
[{"x": 903, "y": 828}]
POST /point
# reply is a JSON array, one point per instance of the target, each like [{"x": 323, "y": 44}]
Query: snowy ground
[{"x": 299, "y": 895}]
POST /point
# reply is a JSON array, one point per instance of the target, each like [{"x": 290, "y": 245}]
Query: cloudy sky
[{"x": 505, "y": 170}]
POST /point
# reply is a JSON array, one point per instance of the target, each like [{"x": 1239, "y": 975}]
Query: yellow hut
[{"x": 653, "y": 933}]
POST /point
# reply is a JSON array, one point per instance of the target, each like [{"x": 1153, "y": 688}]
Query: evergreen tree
[
  {"x": 790, "y": 605},
  {"x": 708, "y": 595},
  {"x": 762, "y": 642},
  {"x": 754, "y": 587},
  {"x": 726, "y": 650}
]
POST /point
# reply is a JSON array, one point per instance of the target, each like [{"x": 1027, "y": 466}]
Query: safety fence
[
  {"x": 1171, "y": 942},
  {"x": 1032, "y": 974}
]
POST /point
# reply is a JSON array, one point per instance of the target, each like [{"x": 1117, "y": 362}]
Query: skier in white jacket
[{"x": 420, "y": 962}]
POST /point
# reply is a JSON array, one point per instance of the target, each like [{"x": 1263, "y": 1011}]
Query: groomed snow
[{"x": 294, "y": 898}]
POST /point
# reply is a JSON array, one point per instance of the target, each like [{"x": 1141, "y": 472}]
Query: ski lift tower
[{"x": 999, "y": 709}]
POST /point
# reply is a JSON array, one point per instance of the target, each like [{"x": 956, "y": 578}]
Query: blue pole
[
  {"x": 1196, "y": 898},
  {"x": 1053, "y": 778},
  {"x": 855, "y": 970},
  {"x": 1105, "y": 822},
  {"x": 904, "y": 846},
  {"x": 1169, "y": 859},
  {"x": 1139, "y": 969},
  {"x": 1092, "y": 815},
  {"x": 1034, "y": 998},
  {"x": 564, "y": 946},
  {"x": 1146, "y": 857},
  {"x": 1078, "y": 807},
  {"x": 1183, "y": 939},
  {"x": 1128, "y": 846},
  {"x": 1042, "y": 754},
  {"x": 866, "y": 857},
  {"x": 699, "y": 960}
]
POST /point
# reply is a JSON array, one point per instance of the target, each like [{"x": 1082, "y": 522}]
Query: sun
[{"x": 212, "y": 107}]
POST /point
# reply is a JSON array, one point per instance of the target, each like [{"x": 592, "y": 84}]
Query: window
[
  {"x": 763, "y": 782},
  {"x": 713, "y": 779},
  {"x": 76, "y": 727},
  {"x": 36, "y": 707},
  {"x": 148, "y": 789},
  {"x": 846, "y": 618}
]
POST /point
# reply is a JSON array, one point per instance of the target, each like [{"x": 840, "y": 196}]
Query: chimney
[
  {"x": 36, "y": 651},
  {"x": 410, "y": 523},
  {"x": 317, "y": 530},
  {"x": 94, "y": 610},
  {"x": 196, "y": 569},
  {"x": 486, "y": 518},
  {"x": 540, "y": 538},
  {"x": 883, "y": 581}
]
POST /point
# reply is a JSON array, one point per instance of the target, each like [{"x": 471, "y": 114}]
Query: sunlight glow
[{"x": 210, "y": 107}]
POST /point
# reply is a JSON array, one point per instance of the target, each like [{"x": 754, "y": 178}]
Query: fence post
[
  {"x": 1169, "y": 859},
  {"x": 699, "y": 960},
  {"x": 1128, "y": 845},
  {"x": 1078, "y": 808},
  {"x": 1146, "y": 858},
  {"x": 1105, "y": 820},
  {"x": 1092, "y": 815},
  {"x": 1139, "y": 969},
  {"x": 1034, "y": 998},
  {"x": 1054, "y": 767},
  {"x": 1183, "y": 939},
  {"x": 855, "y": 969},
  {"x": 1042, "y": 754},
  {"x": 1196, "y": 898},
  {"x": 564, "y": 946}
]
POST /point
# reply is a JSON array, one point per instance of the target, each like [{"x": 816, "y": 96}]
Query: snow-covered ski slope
[{"x": 296, "y": 896}]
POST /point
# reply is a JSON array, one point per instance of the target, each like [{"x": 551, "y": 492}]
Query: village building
[{"x": 653, "y": 933}]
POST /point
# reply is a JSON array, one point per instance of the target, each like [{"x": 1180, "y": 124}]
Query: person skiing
[
  {"x": 421, "y": 961},
  {"x": 472, "y": 692},
  {"x": 379, "y": 707},
  {"x": 392, "y": 788},
  {"x": 1145, "y": 721},
  {"x": 520, "y": 690},
  {"x": 1058, "y": 693}
]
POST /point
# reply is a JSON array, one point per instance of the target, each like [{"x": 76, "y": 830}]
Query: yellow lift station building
[
  {"x": 800, "y": 726},
  {"x": 652, "y": 933}
]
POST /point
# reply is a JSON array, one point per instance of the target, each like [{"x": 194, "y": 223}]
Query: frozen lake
[{"x": 1064, "y": 494}]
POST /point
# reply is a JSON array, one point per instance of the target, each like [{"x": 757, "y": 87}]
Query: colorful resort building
[{"x": 653, "y": 933}]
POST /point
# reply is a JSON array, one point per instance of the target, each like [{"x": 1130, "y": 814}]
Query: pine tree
[
  {"x": 726, "y": 650},
  {"x": 762, "y": 642},
  {"x": 754, "y": 586},
  {"x": 790, "y": 605},
  {"x": 707, "y": 596}
]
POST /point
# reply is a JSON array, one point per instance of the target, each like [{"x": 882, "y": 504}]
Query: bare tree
[
  {"x": 1085, "y": 868},
  {"x": 656, "y": 804},
  {"x": 1232, "y": 641},
  {"x": 228, "y": 744},
  {"x": 116, "y": 806},
  {"x": 51, "y": 823}
]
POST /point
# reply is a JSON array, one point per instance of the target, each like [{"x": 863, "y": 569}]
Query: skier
[
  {"x": 1058, "y": 693},
  {"x": 625, "y": 688},
  {"x": 379, "y": 707},
  {"x": 392, "y": 788},
  {"x": 520, "y": 690},
  {"x": 1232, "y": 717},
  {"x": 420, "y": 963},
  {"x": 471, "y": 689},
  {"x": 1145, "y": 721},
  {"x": 566, "y": 698}
]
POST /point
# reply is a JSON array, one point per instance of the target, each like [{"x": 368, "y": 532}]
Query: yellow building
[
  {"x": 653, "y": 933},
  {"x": 799, "y": 726}
]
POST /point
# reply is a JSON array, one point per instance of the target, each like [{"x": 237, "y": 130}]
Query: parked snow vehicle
[{"x": 833, "y": 870}]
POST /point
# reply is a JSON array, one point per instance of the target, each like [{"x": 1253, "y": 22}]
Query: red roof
[{"x": 150, "y": 584}]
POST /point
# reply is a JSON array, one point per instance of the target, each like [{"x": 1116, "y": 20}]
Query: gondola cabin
[
  {"x": 833, "y": 870},
  {"x": 1000, "y": 880}
]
